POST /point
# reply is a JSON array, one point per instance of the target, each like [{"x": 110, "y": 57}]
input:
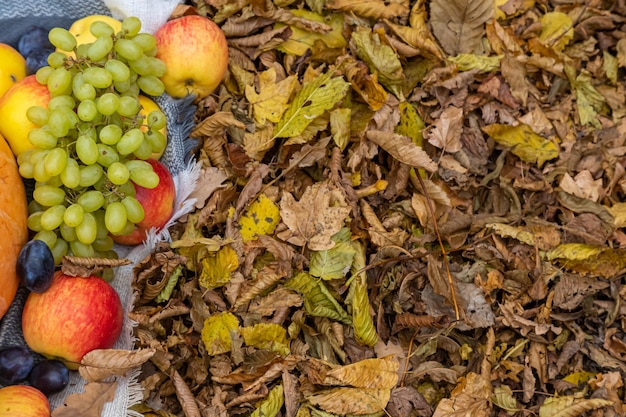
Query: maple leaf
[
  {"x": 314, "y": 219},
  {"x": 273, "y": 97}
]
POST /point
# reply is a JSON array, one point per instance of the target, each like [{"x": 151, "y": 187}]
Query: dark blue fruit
[
  {"x": 49, "y": 376},
  {"x": 35, "y": 266},
  {"x": 37, "y": 59},
  {"x": 15, "y": 365},
  {"x": 36, "y": 38}
]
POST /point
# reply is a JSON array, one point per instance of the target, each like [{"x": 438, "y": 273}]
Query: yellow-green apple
[
  {"x": 71, "y": 318},
  {"x": 23, "y": 401},
  {"x": 14, "y": 125},
  {"x": 195, "y": 54},
  {"x": 157, "y": 203},
  {"x": 12, "y": 67}
]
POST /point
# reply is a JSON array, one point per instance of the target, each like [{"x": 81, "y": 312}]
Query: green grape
[
  {"x": 87, "y": 150},
  {"x": 39, "y": 172},
  {"x": 34, "y": 207},
  {"x": 67, "y": 233},
  {"x": 151, "y": 85},
  {"x": 87, "y": 110},
  {"x": 117, "y": 173},
  {"x": 115, "y": 217},
  {"x": 129, "y": 106},
  {"x": 133, "y": 164},
  {"x": 110, "y": 134},
  {"x": 141, "y": 66},
  {"x": 128, "y": 229},
  {"x": 158, "y": 66},
  {"x": 42, "y": 138},
  {"x": 102, "y": 232},
  {"x": 62, "y": 39},
  {"x": 34, "y": 221},
  {"x": 47, "y": 236},
  {"x": 146, "y": 41},
  {"x": 91, "y": 200},
  {"x": 156, "y": 120},
  {"x": 81, "y": 250},
  {"x": 74, "y": 215},
  {"x": 131, "y": 25},
  {"x": 144, "y": 178},
  {"x": 81, "y": 50},
  {"x": 157, "y": 141},
  {"x": 144, "y": 151},
  {"x": 123, "y": 87},
  {"x": 108, "y": 103},
  {"x": 134, "y": 210},
  {"x": 52, "y": 217},
  {"x": 61, "y": 101},
  {"x": 54, "y": 181},
  {"x": 98, "y": 77},
  {"x": 89, "y": 175},
  {"x": 59, "y": 250},
  {"x": 130, "y": 141},
  {"x": 100, "y": 29},
  {"x": 58, "y": 123},
  {"x": 119, "y": 70},
  {"x": 70, "y": 177},
  {"x": 59, "y": 82},
  {"x": 43, "y": 73},
  {"x": 81, "y": 90},
  {"x": 103, "y": 245},
  {"x": 55, "y": 161},
  {"x": 87, "y": 230},
  {"x": 107, "y": 156},
  {"x": 100, "y": 48},
  {"x": 127, "y": 189},
  {"x": 56, "y": 59},
  {"x": 26, "y": 169},
  {"x": 128, "y": 49},
  {"x": 37, "y": 115},
  {"x": 47, "y": 195}
]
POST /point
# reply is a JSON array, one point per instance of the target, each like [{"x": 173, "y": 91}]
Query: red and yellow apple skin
[
  {"x": 73, "y": 317},
  {"x": 23, "y": 401},
  {"x": 195, "y": 53},
  {"x": 157, "y": 203}
]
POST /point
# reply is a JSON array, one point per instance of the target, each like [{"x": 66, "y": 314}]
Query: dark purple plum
[
  {"x": 49, "y": 376},
  {"x": 35, "y": 38},
  {"x": 15, "y": 365},
  {"x": 36, "y": 60},
  {"x": 35, "y": 266}
]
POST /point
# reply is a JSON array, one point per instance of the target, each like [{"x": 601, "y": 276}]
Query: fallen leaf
[
  {"x": 523, "y": 142},
  {"x": 344, "y": 400},
  {"x": 447, "y": 130},
  {"x": 273, "y": 97},
  {"x": 216, "y": 332},
  {"x": 570, "y": 406},
  {"x": 100, "y": 364},
  {"x": 402, "y": 149},
  {"x": 88, "y": 403}
]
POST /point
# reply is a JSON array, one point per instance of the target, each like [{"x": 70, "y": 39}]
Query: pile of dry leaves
[{"x": 407, "y": 208}]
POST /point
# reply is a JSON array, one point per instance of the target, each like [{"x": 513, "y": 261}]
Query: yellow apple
[
  {"x": 23, "y": 401},
  {"x": 195, "y": 53},
  {"x": 12, "y": 67},
  {"x": 80, "y": 28},
  {"x": 147, "y": 106},
  {"x": 14, "y": 125}
]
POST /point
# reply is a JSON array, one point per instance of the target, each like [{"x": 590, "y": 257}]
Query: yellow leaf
[
  {"x": 301, "y": 40},
  {"x": 483, "y": 63},
  {"x": 315, "y": 97},
  {"x": 273, "y": 97},
  {"x": 579, "y": 377},
  {"x": 556, "y": 30},
  {"x": 570, "y": 406},
  {"x": 261, "y": 218},
  {"x": 618, "y": 210},
  {"x": 340, "y": 126},
  {"x": 589, "y": 260},
  {"x": 318, "y": 301},
  {"x": 525, "y": 143},
  {"x": 518, "y": 233},
  {"x": 267, "y": 336},
  {"x": 411, "y": 124},
  {"x": 258, "y": 142},
  {"x": 376, "y": 9},
  {"x": 216, "y": 333},
  {"x": 271, "y": 405},
  {"x": 589, "y": 101},
  {"x": 216, "y": 269},
  {"x": 346, "y": 400},
  {"x": 503, "y": 398},
  {"x": 375, "y": 373},
  {"x": 362, "y": 320}
]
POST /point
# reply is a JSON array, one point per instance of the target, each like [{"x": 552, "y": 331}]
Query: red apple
[
  {"x": 157, "y": 203},
  {"x": 23, "y": 401},
  {"x": 73, "y": 317},
  {"x": 195, "y": 53}
]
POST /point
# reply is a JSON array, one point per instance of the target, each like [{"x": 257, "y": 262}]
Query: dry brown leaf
[
  {"x": 459, "y": 25},
  {"x": 446, "y": 133},
  {"x": 215, "y": 124},
  {"x": 88, "y": 403},
  {"x": 319, "y": 214},
  {"x": 402, "y": 149},
  {"x": 377, "y": 9},
  {"x": 368, "y": 373},
  {"x": 345, "y": 400},
  {"x": 471, "y": 397},
  {"x": 100, "y": 364},
  {"x": 209, "y": 180},
  {"x": 185, "y": 396}
]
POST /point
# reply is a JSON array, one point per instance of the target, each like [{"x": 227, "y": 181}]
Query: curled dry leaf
[{"x": 101, "y": 364}]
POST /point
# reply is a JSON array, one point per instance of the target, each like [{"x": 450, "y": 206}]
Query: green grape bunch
[{"x": 91, "y": 142}]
